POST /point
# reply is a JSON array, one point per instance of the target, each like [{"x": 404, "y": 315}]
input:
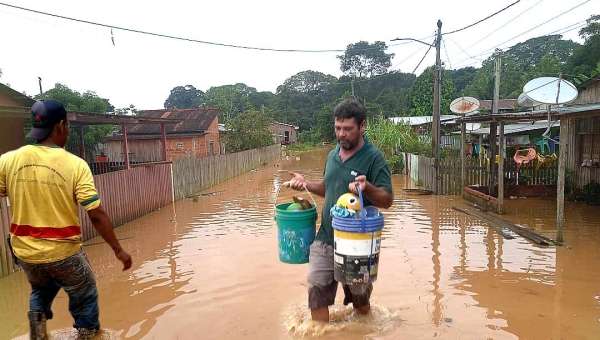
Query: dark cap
[{"x": 44, "y": 115}]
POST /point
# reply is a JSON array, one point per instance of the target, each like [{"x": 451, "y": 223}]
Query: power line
[
  {"x": 531, "y": 29},
  {"x": 497, "y": 29},
  {"x": 181, "y": 38},
  {"x": 419, "y": 64},
  {"x": 482, "y": 20},
  {"x": 561, "y": 31},
  {"x": 447, "y": 56}
]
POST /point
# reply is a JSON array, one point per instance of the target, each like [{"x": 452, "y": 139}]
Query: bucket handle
[
  {"x": 287, "y": 184},
  {"x": 363, "y": 212}
]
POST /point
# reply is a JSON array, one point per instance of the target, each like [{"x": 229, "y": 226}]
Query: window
[
  {"x": 590, "y": 150},
  {"x": 211, "y": 147},
  {"x": 179, "y": 145}
]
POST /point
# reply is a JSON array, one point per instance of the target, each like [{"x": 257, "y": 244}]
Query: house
[
  {"x": 197, "y": 135},
  {"x": 12, "y": 102},
  {"x": 284, "y": 133}
]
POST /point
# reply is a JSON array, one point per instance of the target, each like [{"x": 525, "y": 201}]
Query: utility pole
[
  {"x": 494, "y": 129},
  {"x": 40, "y": 82},
  {"x": 352, "y": 84},
  {"x": 435, "y": 135}
]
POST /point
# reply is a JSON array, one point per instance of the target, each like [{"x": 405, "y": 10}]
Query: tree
[
  {"x": 512, "y": 78},
  {"x": 363, "y": 59},
  {"x": 420, "y": 97},
  {"x": 530, "y": 53},
  {"x": 549, "y": 66},
  {"x": 232, "y": 99},
  {"x": 311, "y": 82},
  {"x": 585, "y": 59},
  {"x": 462, "y": 77},
  {"x": 184, "y": 97},
  {"x": 248, "y": 130},
  {"x": 89, "y": 102}
]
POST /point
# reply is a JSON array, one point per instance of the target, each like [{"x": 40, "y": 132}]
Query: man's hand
[
  {"x": 125, "y": 258},
  {"x": 297, "y": 182},
  {"x": 362, "y": 183}
]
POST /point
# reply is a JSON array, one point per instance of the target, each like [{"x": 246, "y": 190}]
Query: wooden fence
[
  {"x": 420, "y": 170},
  {"x": 193, "y": 175},
  {"x": 125, "y": 195}
]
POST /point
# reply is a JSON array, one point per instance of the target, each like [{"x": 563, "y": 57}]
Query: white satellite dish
[
  {"x": 464, "y": 105},
  {"x": 550, "y": 90},
  {"x": 525, "y": 101}
]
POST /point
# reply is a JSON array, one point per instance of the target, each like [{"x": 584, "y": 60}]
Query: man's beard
[{"x": 348, "y": 144}]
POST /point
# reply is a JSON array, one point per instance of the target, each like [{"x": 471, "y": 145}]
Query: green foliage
[
  {"x": 86, "y": 102},
  {"x": 462, "y": 77},
  {"x": 184, "y": 97},
  {"x": 530, "y": 53},
  {"x": 248, "y": 130},
  {"x": 232, "y": 99},
  {"x": 303, "y": 147},
  {"x": 512, "y": 78},
  {"x": 420, "y": 97},
  {"x": 391, "y": 139},
  {"x": 363, "y": 59}
]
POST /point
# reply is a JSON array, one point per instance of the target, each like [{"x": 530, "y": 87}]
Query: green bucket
[{"x": 296, "y": 232}]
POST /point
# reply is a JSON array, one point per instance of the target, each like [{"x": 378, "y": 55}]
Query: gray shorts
[{"x": 322, "y": 287}]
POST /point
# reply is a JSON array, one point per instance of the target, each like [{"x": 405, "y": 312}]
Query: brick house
[
  {"x": 284, "y": 133},
  {"x": 196, "y": 136}
]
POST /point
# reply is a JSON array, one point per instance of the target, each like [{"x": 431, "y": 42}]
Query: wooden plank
[
  {"x": 501, "y": 170},
  {"x": 502, "y": 231}
]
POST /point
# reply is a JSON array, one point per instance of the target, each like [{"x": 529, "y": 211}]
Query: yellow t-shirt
[{"x": 44, "y": 185}]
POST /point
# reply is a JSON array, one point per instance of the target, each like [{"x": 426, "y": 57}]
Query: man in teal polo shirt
[{"x": 355, "y": 161}]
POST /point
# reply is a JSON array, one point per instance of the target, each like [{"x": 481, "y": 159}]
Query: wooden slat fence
[
  {"x": 125, "y": 195},
  {"x": 130, "y": 194},
  {"x": 420, "y": 170},
  {"x": 193, "y": 175}
]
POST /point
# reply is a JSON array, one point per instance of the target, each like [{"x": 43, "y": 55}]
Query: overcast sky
[{"x": 141, "y": 69}]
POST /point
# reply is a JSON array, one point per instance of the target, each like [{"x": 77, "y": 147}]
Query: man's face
[{"x": 348, "y": 132}]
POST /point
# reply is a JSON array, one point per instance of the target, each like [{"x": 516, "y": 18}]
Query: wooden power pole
[
  {"x": 494, "y": 129},
  {"x": 435, "y": 134}
]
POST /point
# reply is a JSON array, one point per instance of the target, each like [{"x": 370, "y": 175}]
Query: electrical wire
[
  {"x": 181, "y": 38},
  {"x": 497, "y": 29},
  {"x": 482, "y": 20},
  {"x": 531, "y": 29},
  {"x": 447, "y": 56},
  {"x": 562, "y": 30},
  {"x": 419, "y": 64}
]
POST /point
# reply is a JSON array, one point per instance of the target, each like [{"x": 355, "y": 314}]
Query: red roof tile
[{"x": 195, "y": 120}]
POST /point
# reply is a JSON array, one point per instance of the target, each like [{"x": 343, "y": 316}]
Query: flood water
[{"x": 210, "y": 270}]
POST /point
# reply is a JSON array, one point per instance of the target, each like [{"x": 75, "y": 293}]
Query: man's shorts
[{"x": 322, "y": 286}]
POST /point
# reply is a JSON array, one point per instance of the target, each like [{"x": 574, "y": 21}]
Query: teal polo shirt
[{"x": 367, "y": 161}]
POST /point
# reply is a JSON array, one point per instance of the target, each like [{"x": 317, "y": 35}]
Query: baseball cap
[{"x": 44, "y": 115}]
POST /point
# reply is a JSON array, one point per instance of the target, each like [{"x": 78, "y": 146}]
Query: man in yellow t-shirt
[{"x": 44, "y": 184}]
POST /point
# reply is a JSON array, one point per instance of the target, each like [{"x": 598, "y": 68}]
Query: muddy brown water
[{"x": 210, "y": 270}]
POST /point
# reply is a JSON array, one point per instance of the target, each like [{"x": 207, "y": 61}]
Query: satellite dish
[
  {"x": 464, "y": 105},
  {"x": 525, "y": 101},
  {"x": 550, "y": 90}
]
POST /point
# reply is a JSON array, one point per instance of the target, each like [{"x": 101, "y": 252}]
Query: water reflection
[{"x": 210, "y": 267}]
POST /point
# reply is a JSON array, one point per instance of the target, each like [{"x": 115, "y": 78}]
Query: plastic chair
[
  {"x": 542, "y": 143},
  {"x": 545, "y": 160},
  {"x": 520, "y": 159}
]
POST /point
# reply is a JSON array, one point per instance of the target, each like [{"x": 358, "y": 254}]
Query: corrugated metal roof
[
  {"x": 420, "y": 120},
  {"x": 566, "y": 112},
  {"x": 194, "y": 120},
  {"x": 512, "y": 129}
]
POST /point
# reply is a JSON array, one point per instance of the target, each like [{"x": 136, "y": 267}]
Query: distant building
[
  {"x": 284, "y": 133},
  {"x": 196, "y": 136}
]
